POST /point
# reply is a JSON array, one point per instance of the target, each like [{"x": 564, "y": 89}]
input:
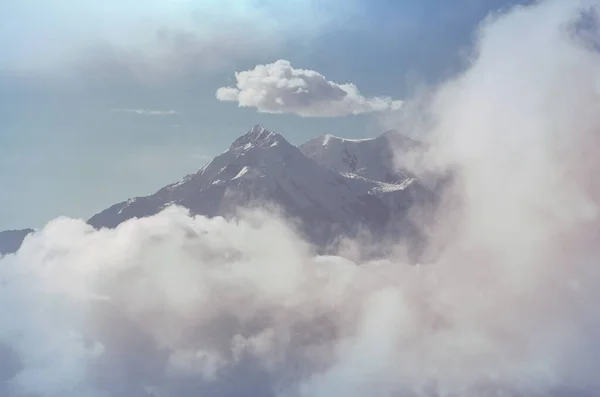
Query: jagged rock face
[{"x": 261, "y": 167}]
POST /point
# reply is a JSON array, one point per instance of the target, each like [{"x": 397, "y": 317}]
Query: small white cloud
[
  {"x": 280, "y": 88},
  {"x": 227, "y": 94},
  {"x": 147, "y": 112}
]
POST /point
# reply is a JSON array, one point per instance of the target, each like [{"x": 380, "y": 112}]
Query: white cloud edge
[{"x": 279, "y": 88}]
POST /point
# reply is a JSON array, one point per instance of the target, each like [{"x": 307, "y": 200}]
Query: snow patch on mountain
[{"x": 373, "y": 158}]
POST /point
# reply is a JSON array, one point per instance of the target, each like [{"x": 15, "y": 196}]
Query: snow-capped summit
[
  {"x": 372, "y": 158},
  {"x": 262, "y": 167},
  {"x": 258, "y": 136}
]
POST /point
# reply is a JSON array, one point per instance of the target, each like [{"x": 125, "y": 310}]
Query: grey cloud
[{"x": 280, "y": 88}]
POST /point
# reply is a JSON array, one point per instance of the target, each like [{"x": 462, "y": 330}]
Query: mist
[{"x": 176, "y": 306}]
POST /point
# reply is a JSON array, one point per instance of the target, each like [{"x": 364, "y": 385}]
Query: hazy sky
[{"x": 105, "y": 100}]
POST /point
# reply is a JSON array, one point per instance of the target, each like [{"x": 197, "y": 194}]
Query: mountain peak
[
  {"x": 258, "y": 136},
  {"x": 371, "y": 158}
]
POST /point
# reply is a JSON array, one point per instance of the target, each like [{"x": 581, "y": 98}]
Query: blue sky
[{"x": 72, "y": 74}]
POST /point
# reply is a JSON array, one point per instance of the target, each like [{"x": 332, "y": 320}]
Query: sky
[
  {"x": 174, "y": 305},
  {"x": 105, "y": 100}
]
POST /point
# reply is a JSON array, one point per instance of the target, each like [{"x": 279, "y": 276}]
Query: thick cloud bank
[
  {"x": 280, "y": 88},
  {"x": 179, "y": 306},
  {"x": 175, "y": 306}
]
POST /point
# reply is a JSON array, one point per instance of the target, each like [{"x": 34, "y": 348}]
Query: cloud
[
  {"x": 147, "y": 112},
  {"x": 172, "y": 54},
  {"x": 280, "y": 88},
  {"x": 173, "y": 305},
  {"x": 161, "y": 41}
]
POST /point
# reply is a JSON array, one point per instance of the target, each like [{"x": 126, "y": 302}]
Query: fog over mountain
[{"x": 179, "y": 305}]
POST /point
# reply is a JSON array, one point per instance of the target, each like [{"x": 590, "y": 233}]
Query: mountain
[
  {"x": 10, "y": 240},
  {"x": 332, "y": 186},
  {"x": 373, "y": 158},
  {"x": 262, "y": 167}
]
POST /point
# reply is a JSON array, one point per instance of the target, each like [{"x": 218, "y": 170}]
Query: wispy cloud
[
  {"x": 280, "y": 88},
  {"x": 163, "y": 39},
  {"x": 147, "y": 112}
]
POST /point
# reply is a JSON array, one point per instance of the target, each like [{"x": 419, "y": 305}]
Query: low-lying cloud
[
  {"x": 280, "y": 88},
  {"x": 180, "y": 306}
]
